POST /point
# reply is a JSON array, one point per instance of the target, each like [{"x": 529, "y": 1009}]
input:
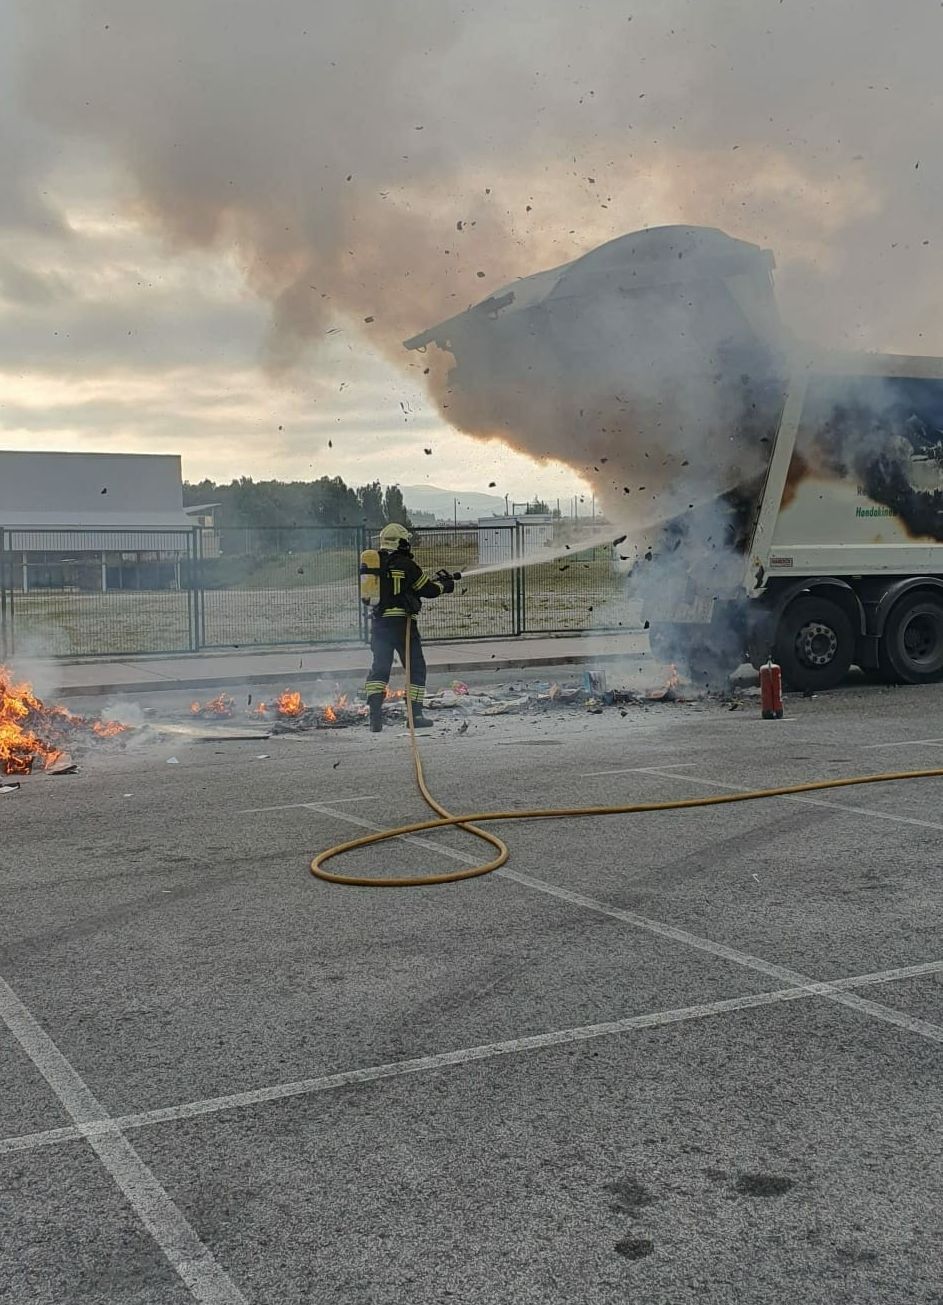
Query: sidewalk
[{"x": 296, "y": 665}]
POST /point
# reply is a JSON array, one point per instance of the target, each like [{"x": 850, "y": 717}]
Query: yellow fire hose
[{"x": 445, "y": 819}]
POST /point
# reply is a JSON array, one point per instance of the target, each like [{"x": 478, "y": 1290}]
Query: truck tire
[
  {"x": 814, "y": 644},
  {"x": 911, "y": 648}
]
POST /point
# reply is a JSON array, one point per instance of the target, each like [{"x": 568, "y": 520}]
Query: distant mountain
[{"x": 430, "y": 498}]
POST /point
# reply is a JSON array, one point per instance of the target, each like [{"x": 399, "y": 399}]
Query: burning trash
[
  {"x": 288, "y": 705},
  {"x": 222, "y": 707},
  {"x": 292, "y": 715},
  {"x": 670, "y": 690},
  {"x": 32, "y": 733}
]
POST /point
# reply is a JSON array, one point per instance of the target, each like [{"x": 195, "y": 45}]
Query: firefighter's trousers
[{"x": 388, "y": 636}]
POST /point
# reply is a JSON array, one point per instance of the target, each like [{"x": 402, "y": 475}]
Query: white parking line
[
  {"x": 908, "y": 743},
  {"x": 488, "y": 1051},
  {"x": 188, "y": 1257},
  {"x": 805, "y": 801},
  {"x": 290, "y": 806},
  {"x": 638, "y": 770},
  {"x": 793, "y": 977}
]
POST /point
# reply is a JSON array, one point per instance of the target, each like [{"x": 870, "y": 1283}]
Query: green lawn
[{"x": 310, "y": 598}]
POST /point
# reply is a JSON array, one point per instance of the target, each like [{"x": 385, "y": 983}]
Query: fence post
[
  {"x": 520, "y": 595},
  {"x": 360, "y": 543},
  {"x": 195, "y": 589},
  {"x": 6, "y": 638}
]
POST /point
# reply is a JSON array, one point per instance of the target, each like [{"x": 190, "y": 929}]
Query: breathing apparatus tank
[{"x": 371, "y": 567}]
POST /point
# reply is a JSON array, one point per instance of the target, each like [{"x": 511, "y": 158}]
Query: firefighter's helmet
[{"x": 391, "y": 535}]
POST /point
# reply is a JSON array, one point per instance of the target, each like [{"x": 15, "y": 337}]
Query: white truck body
[
  {"x": 829, "y": 524},
  {"x": 849, "y": 520}
]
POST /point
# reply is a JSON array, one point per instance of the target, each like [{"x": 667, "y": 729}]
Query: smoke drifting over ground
[{"x": 393, "y": 163}]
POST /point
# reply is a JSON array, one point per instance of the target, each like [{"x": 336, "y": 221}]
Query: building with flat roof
[{"x": 92, "y": 521}]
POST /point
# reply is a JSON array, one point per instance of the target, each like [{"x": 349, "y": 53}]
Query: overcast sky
[{"x": 203, "y": 200}]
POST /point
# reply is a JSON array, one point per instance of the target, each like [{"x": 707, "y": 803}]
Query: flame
[
  {"x": 330, "y": 714},
  {"x": 394, "y": 693},
  {"x": 222, "y": 705},
  {"x": 30, "y": 731},
  {"x": 108, "y": 729},
  {"x": 289, "y": 703},
  {"x": 674, "y": 679}
]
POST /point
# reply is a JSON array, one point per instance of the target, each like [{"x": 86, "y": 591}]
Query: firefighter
[{"x": 403, "y": 585}]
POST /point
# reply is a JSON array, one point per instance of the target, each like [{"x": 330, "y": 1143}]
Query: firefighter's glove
[{"x": 446, "y": 581}]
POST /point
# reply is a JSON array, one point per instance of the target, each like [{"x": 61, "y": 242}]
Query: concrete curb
[{"x": 229, "y": 681}]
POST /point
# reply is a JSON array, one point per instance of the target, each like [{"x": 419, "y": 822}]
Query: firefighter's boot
[
  {"x": 375, "y": 703},
  {"x": 420, "y": 722}
]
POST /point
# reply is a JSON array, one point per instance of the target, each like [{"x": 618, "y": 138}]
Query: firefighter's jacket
[{"x": 403, "y": 585}]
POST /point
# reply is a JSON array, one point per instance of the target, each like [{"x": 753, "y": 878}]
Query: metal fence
[{"x": 125, "y": 591}]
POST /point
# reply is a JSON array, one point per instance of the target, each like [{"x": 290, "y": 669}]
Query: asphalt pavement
[{"x": 663, "y": 1058}]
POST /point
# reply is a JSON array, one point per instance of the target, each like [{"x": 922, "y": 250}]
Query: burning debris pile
[
  {"x": 222, "y": 707},
  {"x": 292, "y": 714},
  {"x": 590, "y": 694},
  {"x": 32, "y": 734}
]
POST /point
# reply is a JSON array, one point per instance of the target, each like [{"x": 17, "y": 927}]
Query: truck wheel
[
  {"x": 814, "y": 644},
  {"x": 911, "y": 647}
]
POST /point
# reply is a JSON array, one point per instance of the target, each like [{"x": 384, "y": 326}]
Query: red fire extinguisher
[{"x": 771, "y": 691}]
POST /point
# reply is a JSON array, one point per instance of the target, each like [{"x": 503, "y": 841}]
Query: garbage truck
[
  {"x": 787, "y": 504},
  {"x": 840, "y": 540}
]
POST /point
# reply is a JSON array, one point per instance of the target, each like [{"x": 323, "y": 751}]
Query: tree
[
  {"x": 538, "y": 507},
  {"x": 370, "y": 498},
  {"x": 276, "y": 507},
  {"x": 333, "y": 503},
  {"x": 394, "y": 509}
]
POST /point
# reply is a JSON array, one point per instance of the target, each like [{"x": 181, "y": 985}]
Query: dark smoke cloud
[{"x": 374, "y": 159}]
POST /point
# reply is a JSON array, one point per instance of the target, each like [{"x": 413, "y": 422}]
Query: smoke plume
[{"x": 393, "y": 163}]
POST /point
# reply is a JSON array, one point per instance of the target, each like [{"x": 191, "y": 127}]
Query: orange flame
[
  {"x": 289, "y": 703},
  {"x": 222, "y": 705},
  {"x": 31, "y": 731},
  {"x": 330, "y": 714},
  {"x": 674, "y": 679},
  {"x": 108, "y": 729}
]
